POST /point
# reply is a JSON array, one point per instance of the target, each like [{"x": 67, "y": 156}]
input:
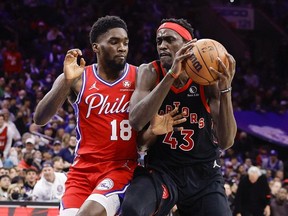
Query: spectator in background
[
  {"x": 29, "y": 146},
  {"x": 58, "y": 164},
  {"x": 18, "y": 147},
  {"x": 279, "y": 175},
  {"x": 27, "y": 162},
  {"x": 68, "y": 153},
  {"x": 13, "y": 172},
  {"x": 247, "y": 163},
  {"x": 15, "y": 193},
  {"x": 55, "y": 59},
  {"x": 279, "y": 203},
  {"x": 71, "y": 125},
  {"x": 51, "y": 185},
  {"x": 273, "y": 162},
  {"x": 275, "y": 186},
  {"x": 12, "y": 158},
  {"x": 25, "y": 109},
  {"x": 15, "y": 132},
  {"x": 253, "y": 194},
  {"x": 56, "y": 148},
  {"x": 49, "y": 132},
  {"x": 262, "y": 155},
  {"x": 6, "y": 137},
  {"x": 251, "y": 78},
  {"x": 47, "y": 156},
  {"x": 54, "y": 33},
  {"x": 4, "y": 171},
  {"x": 65, "y": 140},
  {"x": 59, "y": 133},
  {"x": 31, "y": 178},
  {"x": 19, "y": 180},
  {"x": 12, "y": 59},
  {"x": 5, "y": 182},
  {"x": 230, "y": 195},
  {"x": 37, "y": 160}
]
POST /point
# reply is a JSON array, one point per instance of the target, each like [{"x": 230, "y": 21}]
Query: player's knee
[
  {"x": 92, "y": 208},
  {"x": 68, "y": 212},
  {"x": 89, "y": 212}
]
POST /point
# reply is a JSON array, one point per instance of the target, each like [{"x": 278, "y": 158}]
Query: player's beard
[
  {"x": 166, "y": 65},
  {"x": 166, "y": 62},
  {"x": 112, "y": 63},
  {"x": 115, "y": 65}
]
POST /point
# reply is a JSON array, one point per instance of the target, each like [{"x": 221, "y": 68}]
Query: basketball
[{"x": 205, "y": 53}]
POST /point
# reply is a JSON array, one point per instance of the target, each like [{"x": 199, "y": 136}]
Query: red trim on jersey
[
  {"x": 156, "y": 66},
  {"x": 203, "y": 98},
  {"x": 3, "y": 139},
  {"x": 173, "y": 88}
]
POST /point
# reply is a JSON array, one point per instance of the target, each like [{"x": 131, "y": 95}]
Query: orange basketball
[{"x": 205, "y": 53}]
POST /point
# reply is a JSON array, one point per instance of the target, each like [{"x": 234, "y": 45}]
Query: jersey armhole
[
  {"x": 203, "y": 98},
  {"x": 157, "y": 68}
]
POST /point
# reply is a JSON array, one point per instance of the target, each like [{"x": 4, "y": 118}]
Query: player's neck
[
  {"x": 181, "y": 80},
  {"x": 108, "y": 74}
]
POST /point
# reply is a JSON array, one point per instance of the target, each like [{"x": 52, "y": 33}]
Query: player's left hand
[
  {"x": 162, "y": 124},
  {"x": 225, "y": 73}
]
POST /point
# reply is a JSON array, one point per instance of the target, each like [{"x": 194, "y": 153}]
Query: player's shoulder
[{"x": 147, "y": 66}]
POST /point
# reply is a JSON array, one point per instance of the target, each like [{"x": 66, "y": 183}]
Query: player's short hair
[
  {"x": 104, "y": 24},
  {"x": 183, "y": 22}
]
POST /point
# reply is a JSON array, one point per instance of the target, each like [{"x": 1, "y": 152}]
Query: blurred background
[{"x": 35, "y": 36}]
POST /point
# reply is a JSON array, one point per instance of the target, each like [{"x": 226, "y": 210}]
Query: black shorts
[
  {"x": 197, "y": 190},
  {"x": 154, "y": 184}
]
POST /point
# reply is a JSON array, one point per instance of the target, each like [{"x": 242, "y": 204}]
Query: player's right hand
[
  {"x": 72, "y": 69},
  {"x": 181, "y": 55}
]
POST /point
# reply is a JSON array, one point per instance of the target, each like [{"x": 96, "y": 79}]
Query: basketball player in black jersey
[{"x": 182, "y": 167}]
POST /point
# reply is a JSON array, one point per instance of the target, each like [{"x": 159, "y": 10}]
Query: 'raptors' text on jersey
[{"x": 103, "y": 129}]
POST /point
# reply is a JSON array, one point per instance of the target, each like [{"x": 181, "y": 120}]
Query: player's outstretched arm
[{"x": 61, "y": 88}]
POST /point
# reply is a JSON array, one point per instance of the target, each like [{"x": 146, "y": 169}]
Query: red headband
[{"x": 178, "y": 28}]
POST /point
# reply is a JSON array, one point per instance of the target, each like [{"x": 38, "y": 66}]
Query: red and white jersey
[
  {"x": 3, "y": 138},
  {"x": 102, "y": 110}
]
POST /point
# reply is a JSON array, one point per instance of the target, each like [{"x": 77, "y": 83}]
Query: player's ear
[{"x": 95, "y": 47}]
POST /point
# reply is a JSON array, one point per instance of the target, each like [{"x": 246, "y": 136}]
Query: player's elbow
[
  {"x": 39, "y": 120},
  {"x": 135, "y": 120},
  {"x": 228, "y": 143},
  {"x": 135, "y": 125}
]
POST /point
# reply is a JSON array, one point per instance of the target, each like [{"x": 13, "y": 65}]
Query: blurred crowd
[{"x": 34, "y": 37}]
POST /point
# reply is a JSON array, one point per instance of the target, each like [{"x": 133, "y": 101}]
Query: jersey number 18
[{"x": 124, "y": 128}]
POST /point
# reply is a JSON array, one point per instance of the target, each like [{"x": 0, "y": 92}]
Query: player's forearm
[
  {"x": 142, "y": 112},
  {"x": 52, "y": 101},
  {"x": 227, "y": 128},
  {"x": 146, "y": 138}
]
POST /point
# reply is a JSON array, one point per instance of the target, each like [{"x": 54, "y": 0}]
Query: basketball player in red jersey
[
  {"x": 182, "y": 167},
  {"x": 106, "y": 153}
]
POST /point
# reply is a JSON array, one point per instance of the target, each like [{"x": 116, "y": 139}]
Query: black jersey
[{"x": 196, "y": 143}]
